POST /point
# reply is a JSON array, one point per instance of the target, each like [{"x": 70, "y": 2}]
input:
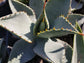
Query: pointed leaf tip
[
  {"x": 81, "y": 34},
  {"x": 44, "y": 5}
]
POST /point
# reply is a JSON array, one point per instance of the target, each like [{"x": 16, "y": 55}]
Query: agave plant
[{"x": 39, "y": 26}]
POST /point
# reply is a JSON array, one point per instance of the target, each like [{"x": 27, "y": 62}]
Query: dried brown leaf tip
[
  {"x": 44, "y": 4},
  {"x": 81, "y": 34}
]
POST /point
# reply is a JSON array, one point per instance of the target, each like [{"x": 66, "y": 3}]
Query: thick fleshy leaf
[
  {"x": 52, "y": 51},
  {"x": 41, "y": 24},
  {"x": 62, "y": 22},
  {"x": 76, "y": 5},
  {"x": 55, "y": 8},
  {"x": 17, "y": 6},
  {"x": 78, "y": 49},
  {"x": 37, "y": 6},
  {"x": 21, "y": 52},
  {"x": 73, "y": 18},
  {"x": 20, "y": 24},
  {"x": 61, "y": 26},
  {"x": 55, "y": 33}
]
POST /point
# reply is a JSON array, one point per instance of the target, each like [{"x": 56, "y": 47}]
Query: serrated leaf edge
[{"x": 9, "y": 16}]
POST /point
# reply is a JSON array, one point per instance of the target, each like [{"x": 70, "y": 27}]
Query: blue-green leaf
[
  {"x": 62, "y": 22},
  {"x": 17, "y": 6},
  {"x": 41, "y": 24},
  {"x": 52, "y": 51},
  {"x": 61, "y": 26},
  {"x": 73, "y": 18},
  {"x": 20, "y": 24},
  {"x": 78, "y": 48},
  {"x": 21, "y": 52},
  {"x": 55, "y": 33},
  {"x": 37, "y": 6},
  {"x": 55, "y": 8}
]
